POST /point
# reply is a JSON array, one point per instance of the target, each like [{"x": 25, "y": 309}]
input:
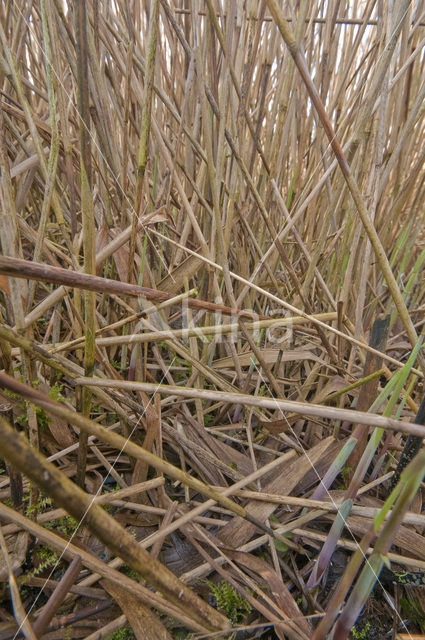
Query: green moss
[
  {"x": 40, "y": 506},
  {"x": 233, "y": 605},
  {"x": 55, "y": 393},
  {"x": 47, "y": 559},
  {"x": 125, "y": 633},
  {"x": 361, "y": 634},
  {"x": 208, "y": 419},
  {"x": 345, "y": 474},
  {"x": 67, "y": 525}
]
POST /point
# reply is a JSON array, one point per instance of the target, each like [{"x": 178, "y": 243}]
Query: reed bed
[{"x": 212, "y": 314}]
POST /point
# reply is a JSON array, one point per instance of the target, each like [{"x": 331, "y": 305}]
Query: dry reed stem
[{"x": 237, "y": 195}]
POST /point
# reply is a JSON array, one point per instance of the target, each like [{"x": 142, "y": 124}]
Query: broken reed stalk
[
  {"x": 300, "y": 408},
  {"x": 17, "y": 451},
  {"x": 46, "y": 273}
]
